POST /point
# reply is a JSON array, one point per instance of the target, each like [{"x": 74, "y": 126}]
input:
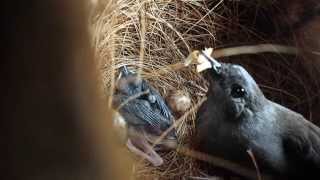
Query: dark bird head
[
  {"x": 129, "y": 83},
  {"x": 235, "y": 91}
]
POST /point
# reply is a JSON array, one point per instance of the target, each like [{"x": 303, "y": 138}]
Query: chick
[
  {"x": 146, "y": 114},
  {"x": 237, "y": 117}
]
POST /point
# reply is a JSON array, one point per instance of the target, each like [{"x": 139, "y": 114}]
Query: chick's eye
[{"x": 237, "y": 91}]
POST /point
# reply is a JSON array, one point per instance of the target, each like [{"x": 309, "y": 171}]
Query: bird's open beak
[
  {"x": 124, "y": 71},
  {"x": 142, "y": 148},
  {"x": 169, "y": 142}
]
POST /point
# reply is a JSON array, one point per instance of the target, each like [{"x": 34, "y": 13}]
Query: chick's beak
[
  {"x": 124, "y": 72},
  {"x": 168, "y": 142},
  {"x": 142, "y": 148}
]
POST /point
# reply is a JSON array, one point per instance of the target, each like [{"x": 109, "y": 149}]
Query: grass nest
[{"x": 148, "y": 36}]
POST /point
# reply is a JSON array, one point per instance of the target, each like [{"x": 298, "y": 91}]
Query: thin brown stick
[
  {"x": 191, "y": 59},
  {"x": 130, "y": 98},
  {"x": 249, "y": 151},
  {"x": 254, "y": 49},
  {"x": 112, "y": 78},
  {"x": 177, "y": 122},
  {"x": 217, "y": 161},
  {"x": 205, "y": 157},
  {"x": 142, "y": 15},
  {"x": 240, "y": 50}
]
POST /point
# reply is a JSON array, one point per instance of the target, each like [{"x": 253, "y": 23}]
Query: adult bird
[
  {"x": 145, "y": 113},
  {"x": 237, "y": 117}
]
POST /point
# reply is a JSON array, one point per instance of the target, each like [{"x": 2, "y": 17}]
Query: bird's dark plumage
[
  {"x": 237, "y": 117},
  {"x": 142, "y": 107}
]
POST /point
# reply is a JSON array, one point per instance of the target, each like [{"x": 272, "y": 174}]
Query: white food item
[{"x": 203, "y": 62}]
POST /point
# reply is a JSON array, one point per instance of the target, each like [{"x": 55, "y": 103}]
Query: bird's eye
[{"x": 237, "y": 91}]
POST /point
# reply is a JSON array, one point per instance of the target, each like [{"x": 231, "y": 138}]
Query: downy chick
[{"x": 146, "y": 114}]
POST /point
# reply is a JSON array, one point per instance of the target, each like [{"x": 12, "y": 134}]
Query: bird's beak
[
  {"x": 142, "y": 148},
  {"x": 205, "y": 61},
  {"x": 124, "y": 71},
  {"x": 169, "y": 142},
  {"x": 215, "y": 65}
]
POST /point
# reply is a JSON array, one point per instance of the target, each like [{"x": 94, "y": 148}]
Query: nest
[{"x": 148, "y": 36}]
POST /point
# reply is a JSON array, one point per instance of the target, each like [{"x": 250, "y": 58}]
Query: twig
[
  {"x": 205, "y": 157},
  {"x": 217, "y": 161},
  {"x": 249, "y": 151},
  {"x": 177, "y": 122},
  {"x": 254, "y": 49},
  {"x": 202, "y": 178},
  {"x": 142, "y": 15},
  {"x": 191, "y": 59},
  {"x": 130, "y": 98},
  {"x": 238, "y": 50}
]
